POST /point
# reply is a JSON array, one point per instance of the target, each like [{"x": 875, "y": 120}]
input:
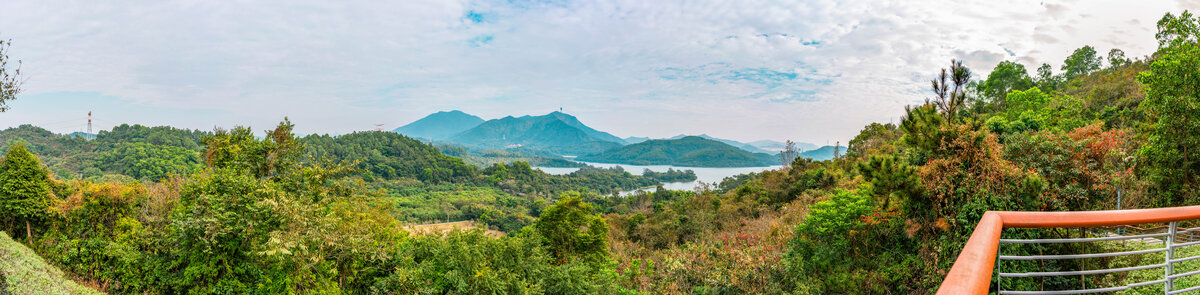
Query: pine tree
[{"x": 24, "y": 190}]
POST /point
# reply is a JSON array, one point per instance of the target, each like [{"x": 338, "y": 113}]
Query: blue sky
[{"x": 815, "y": 71}]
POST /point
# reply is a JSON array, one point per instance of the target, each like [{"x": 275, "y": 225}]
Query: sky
[{"x": 813, "y": 71}]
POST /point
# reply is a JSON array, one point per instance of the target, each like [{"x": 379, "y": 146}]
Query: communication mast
[
  {"x": 89, "y": 123},
  {"x": 378, "y": 127},
  {"x": 837, "y": 149}
]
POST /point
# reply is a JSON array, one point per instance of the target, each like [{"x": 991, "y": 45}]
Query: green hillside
[
  {"x": 690, "y": 151},
  {"x": 737, "y": 144},
  {"x": 440, "y": 125},
  {"x": 390, "y": 156},
  {"x": 23, "y": 272},
  {"x": 555, "y": 132}
]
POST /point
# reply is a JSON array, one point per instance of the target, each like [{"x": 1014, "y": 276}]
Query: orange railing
[{"x": 972, "y": 271}]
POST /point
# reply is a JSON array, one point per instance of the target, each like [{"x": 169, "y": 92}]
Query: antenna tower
[
  {"x": 378, "y": 127},
  {"x": 89, "y": 123}
]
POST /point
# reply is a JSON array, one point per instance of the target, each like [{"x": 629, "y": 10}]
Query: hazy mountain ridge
[
  {"x": 776, "y": 146},
  {"x": 823, "y": 153}
]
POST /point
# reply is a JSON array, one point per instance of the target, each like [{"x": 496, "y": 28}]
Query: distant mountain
[
  {"x": 440, "y": 125},
  {"x": 823, "y": 153},
  {"x": 634, "y": 139},
  {"x": 573, "y": 122},
  {"x": 555, "y": 132},
  {"x": 689, "y": 151},
  {"x": 775, "y": 146},
  {"x": 734, "y": 143}
]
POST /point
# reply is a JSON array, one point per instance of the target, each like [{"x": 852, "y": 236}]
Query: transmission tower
[
  {"x": 89, "y": 123},
  {"x": 837, "y": 149}
]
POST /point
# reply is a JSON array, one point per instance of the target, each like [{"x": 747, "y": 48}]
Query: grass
[{"x": 24, "y": 272}]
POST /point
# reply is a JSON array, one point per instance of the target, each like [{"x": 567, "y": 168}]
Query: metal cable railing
[
  {"x": 972, "y": 271},
  {"x": 1168, "y": 238}
]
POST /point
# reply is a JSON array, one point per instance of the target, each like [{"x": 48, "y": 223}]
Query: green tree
[
  {"x": 276, "y": 154},
  {"x": 1007, "y": 76},
  {"x": 223, "y": 220},
  {"x": 573, "y": 231},
  {"x": 24, "y": 188},
  {"x": 1047, "y": 79},
  {"x": 950, "y": 96},
  {"x": 10, "y": 85},
  {"x": 1177, "y": 30},
  {"x": 1172, "y": 83},
  {"x": 1116, "y": 58},
  {"x": 1081, "y": 62}
]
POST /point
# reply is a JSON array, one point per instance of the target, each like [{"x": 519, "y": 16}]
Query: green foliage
[
  {"x": 222, "y": 220},
  {"x": 1080, "y": 167},
  {"x": 573, "y": 232},
  {"x": 1081, "y": 62},
  {"x": 472, "y": 263},
  {"x": 1006, "y": 77},
  {"x": 893, "y": 180},
  {"x": 1036, "y": 110},
  {"x": 690, "y": 151},
  {"x": 1116, "y": 58},
  {"x": 388, "y": 155},
  {"x": 159, "y": 135},
  {"x": 520, "y": 178},
  {"x": 876, "y": 138},
  {"x": 488, "y": 205},
  {"x": 922, "y": 128},
  {"x": 1176, "y": 31},
  {"x": 276, "y": 154},
  {"x": 1047, "y": 79},
  {"x": 951, "y": 100},
  {"x": 827, "y": 252},
  {"x": 24, "y": 189},
  {"x": 97, "y": 233},
  {"x": 671, "y": 175},
  {"x": 1171, "y": 102},
  {"x": 147, "y": 161}
]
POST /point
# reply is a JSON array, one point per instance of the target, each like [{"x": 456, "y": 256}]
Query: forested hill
[
  {"x": 690, "y": 151},
  {"x": 741, "y": 145},
  {"x": 440, "y": 125},
  {"x": 390, "y": 155},
  {"x": 555, "y": 132},
  {"x": 135, "y": 152}
]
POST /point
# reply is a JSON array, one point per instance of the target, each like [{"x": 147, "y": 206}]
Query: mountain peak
[
  {"x": 556, "y": 132},
  {"x": 440, "y": 125}
]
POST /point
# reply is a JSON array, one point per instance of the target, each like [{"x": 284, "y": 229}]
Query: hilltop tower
[
  {"x": 837, "y": 149},
  {"x": 89, "y": 133}
]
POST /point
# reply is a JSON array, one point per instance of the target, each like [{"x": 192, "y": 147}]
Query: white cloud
[{"x": 824, "y": 68}]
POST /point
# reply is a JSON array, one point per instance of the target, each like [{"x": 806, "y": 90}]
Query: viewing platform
[{"x": 978, "y": 268}]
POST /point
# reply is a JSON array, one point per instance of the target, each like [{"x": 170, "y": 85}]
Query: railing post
[{"x": 1169, "y": 285}]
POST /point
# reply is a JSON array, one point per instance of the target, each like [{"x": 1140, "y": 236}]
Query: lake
[{"x": 707, "y": 175}]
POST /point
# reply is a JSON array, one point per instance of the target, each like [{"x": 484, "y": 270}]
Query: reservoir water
[{"x": 711, "y": 176}]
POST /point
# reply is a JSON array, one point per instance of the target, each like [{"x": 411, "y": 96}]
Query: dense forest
[{"x": 163, "y": 210}]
